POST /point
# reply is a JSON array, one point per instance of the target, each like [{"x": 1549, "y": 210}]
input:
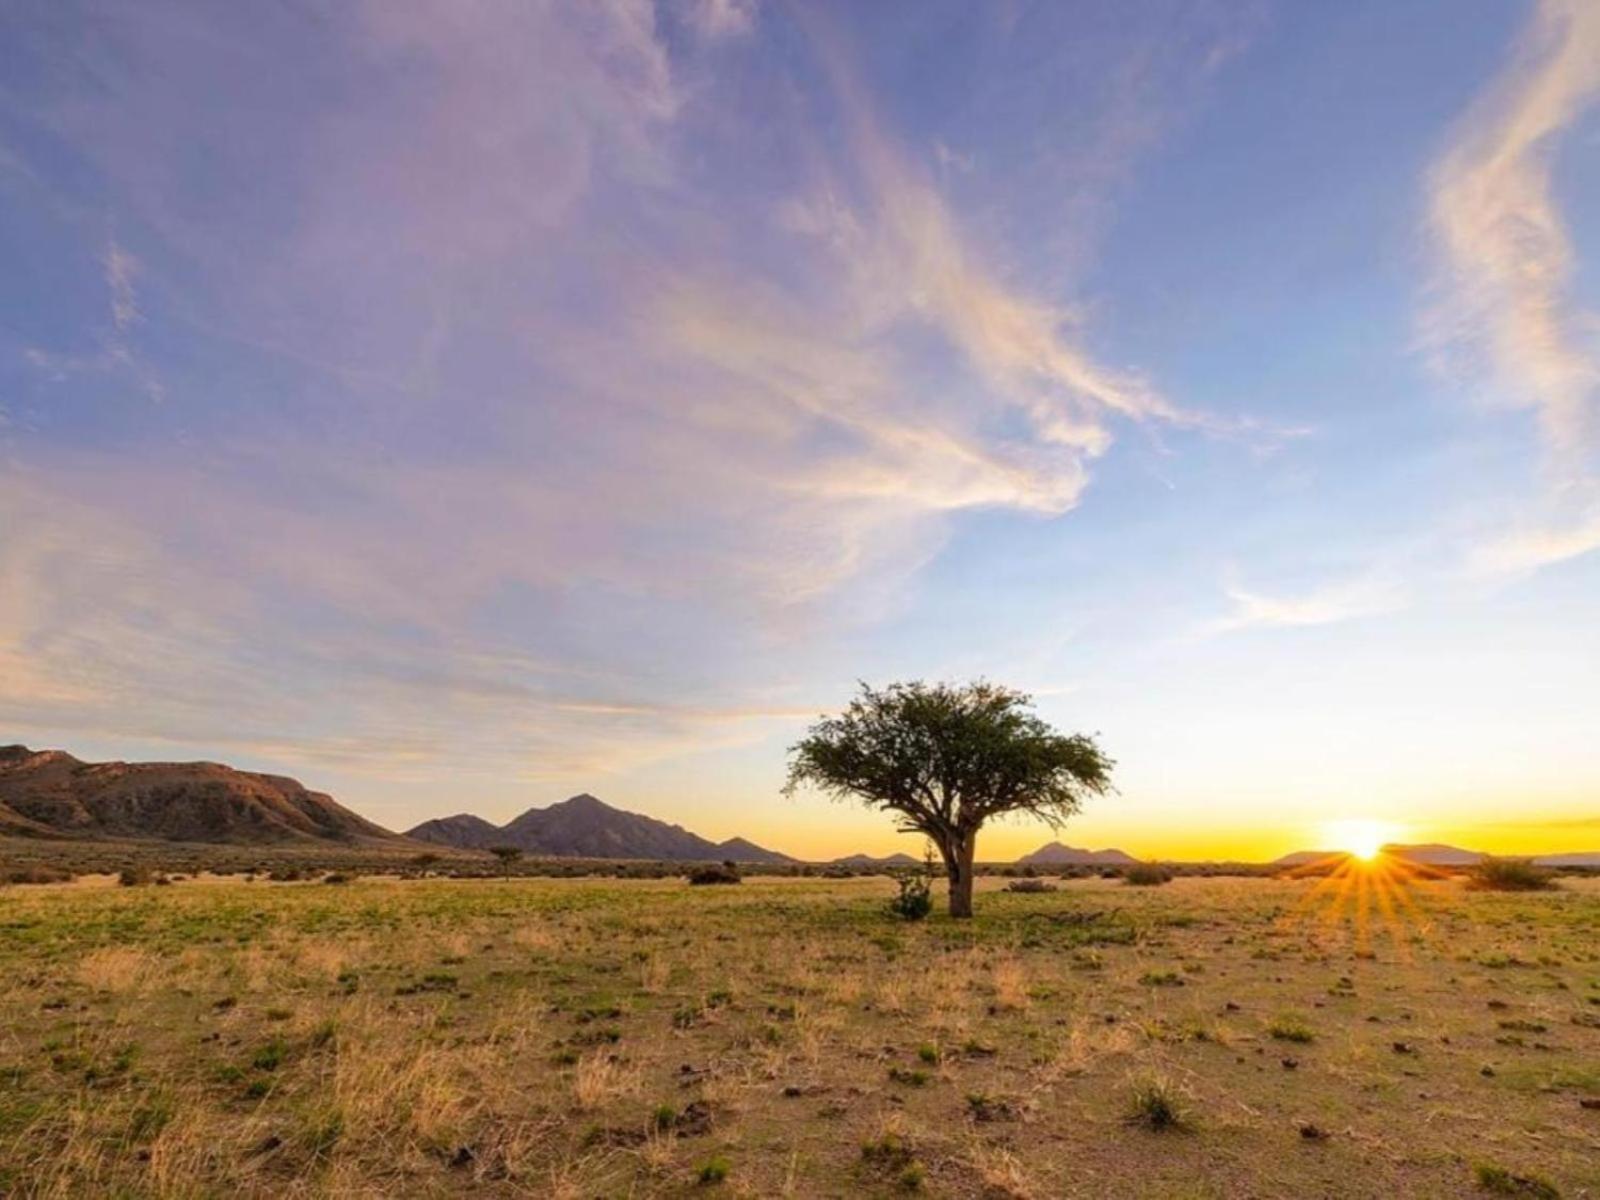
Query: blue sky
[{"x": 460, "y": 406}]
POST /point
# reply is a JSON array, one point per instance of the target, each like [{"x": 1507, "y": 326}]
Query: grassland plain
[{"x": 547, "y": 1037}]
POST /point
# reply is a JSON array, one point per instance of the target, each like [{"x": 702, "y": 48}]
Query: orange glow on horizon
[{"x": 1001, "y": 843}]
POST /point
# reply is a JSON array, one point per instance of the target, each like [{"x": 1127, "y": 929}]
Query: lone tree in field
[
  {"x": 507, "y": 856},
  {"x": 946, "y": 759}
]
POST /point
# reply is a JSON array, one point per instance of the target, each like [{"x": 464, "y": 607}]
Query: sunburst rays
[{"x": 1365, "y": 897}]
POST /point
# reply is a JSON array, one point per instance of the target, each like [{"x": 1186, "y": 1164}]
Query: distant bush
[
  {"x": 714, "y": 873},
  {"x": 1147, "y": 875},
  {"x": 286, "y": 874},
  {"x": 649, "y": 870},
  {"x": 1509, "y": 875},
  {"x": 336, "y": 877},
  {"x": 134, "y": 876},
  {"x": 37, "y": 875},
  {"x": 1030, "y": 885}
]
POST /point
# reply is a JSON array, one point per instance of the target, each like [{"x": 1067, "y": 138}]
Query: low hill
[
  {"x": 742, "y": 850},
  {"x": 1055, "y": 854},
  {"x": 461, "y": 832},
  {"x": 1584, "y": 859},
  {"x": 49, "y": 793},
  {"x": 1435, "y": 854},
  {"x": 888, "y": 860},
  {"x": 1304, "y": 858},
  {"x": 585, "y": 827}
]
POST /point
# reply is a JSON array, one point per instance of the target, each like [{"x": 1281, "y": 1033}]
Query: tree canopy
[{"x": 946, "y": 758}]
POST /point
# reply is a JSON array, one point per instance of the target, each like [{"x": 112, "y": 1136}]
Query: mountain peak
[
  {"x": 1059, "y": 854},
  {"x": 584, "y": 826}
]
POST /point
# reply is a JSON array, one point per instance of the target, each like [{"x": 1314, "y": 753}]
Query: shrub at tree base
[{"x": 915, "y": 900}]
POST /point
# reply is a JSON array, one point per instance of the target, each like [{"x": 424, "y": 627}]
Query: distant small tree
[
  {"x": 946, "y": 758},
  {"x": 507, "y": 855}
]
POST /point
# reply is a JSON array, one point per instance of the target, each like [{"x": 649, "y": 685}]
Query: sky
[{"x": 460, "y": 406}]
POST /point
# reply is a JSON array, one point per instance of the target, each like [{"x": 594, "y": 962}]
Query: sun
[{"x": 1361, "y": 837}]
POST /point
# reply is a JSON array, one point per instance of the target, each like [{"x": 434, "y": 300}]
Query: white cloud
[
  {"x": 121, "y": 268},
  {"x": 1507, "y": 282},
  {"x": 722, "y": 18},
  {"x": 1330, "y": 604},
  {"x": 548, "y": 469},
  {"x": 1539, "y": 546},
  {"x": 1509, "y": 259}
]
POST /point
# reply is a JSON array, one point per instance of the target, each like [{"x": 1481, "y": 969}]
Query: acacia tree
[
  {"x": 507, "y": 856},
  {"x": 946, "y": 758}
]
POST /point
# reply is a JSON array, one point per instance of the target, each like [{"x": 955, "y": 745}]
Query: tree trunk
[{"x": 958, "y": 866}]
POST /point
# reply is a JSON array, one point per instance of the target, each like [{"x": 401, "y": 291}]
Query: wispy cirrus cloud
[
  {"x": 1328, "y": 604},
  {"x": 121, "y": 268},
  {"x": 538, "y": 409},
  {"x": 722, "y": 18},
  {"x": 1539, "y": 545},
  {"x": 1508, "y": 252},
  {"x": 1508, "y": 269}
]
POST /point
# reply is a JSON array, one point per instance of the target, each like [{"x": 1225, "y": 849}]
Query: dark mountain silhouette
[
  {"x": 742, "y": 850},
  {"x": 889, "y": 860},
  {"x": 584, "y": 827},
  {"x": 1054, "y": 854},
  {"x": 1585, "y": 858},
  {"x": 1304, "y": 858},
  {"x": 49, "y": 793},
  {"x": 1432, "y": 854},
  {"x": 462, "y": 832},
  {"x": 1435, "y": 854}
]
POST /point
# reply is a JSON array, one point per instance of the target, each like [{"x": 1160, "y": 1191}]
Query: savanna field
[{"x": 560, "y": 1037}]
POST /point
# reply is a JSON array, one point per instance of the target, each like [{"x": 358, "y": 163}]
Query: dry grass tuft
[
  {"x": 115, "y": 969},
  {"x": 601, "y": 1077},
  {"x": 1010, "y": 985}
]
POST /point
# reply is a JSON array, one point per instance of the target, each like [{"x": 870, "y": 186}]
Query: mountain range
[
  {"x": 888, "y": 860},
  {"x": 584, "y": 827},
  {"x": 49, "y": 793},
  {"x": 1055, "y": 854},
  {"x": 1436, "y": 854}
]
